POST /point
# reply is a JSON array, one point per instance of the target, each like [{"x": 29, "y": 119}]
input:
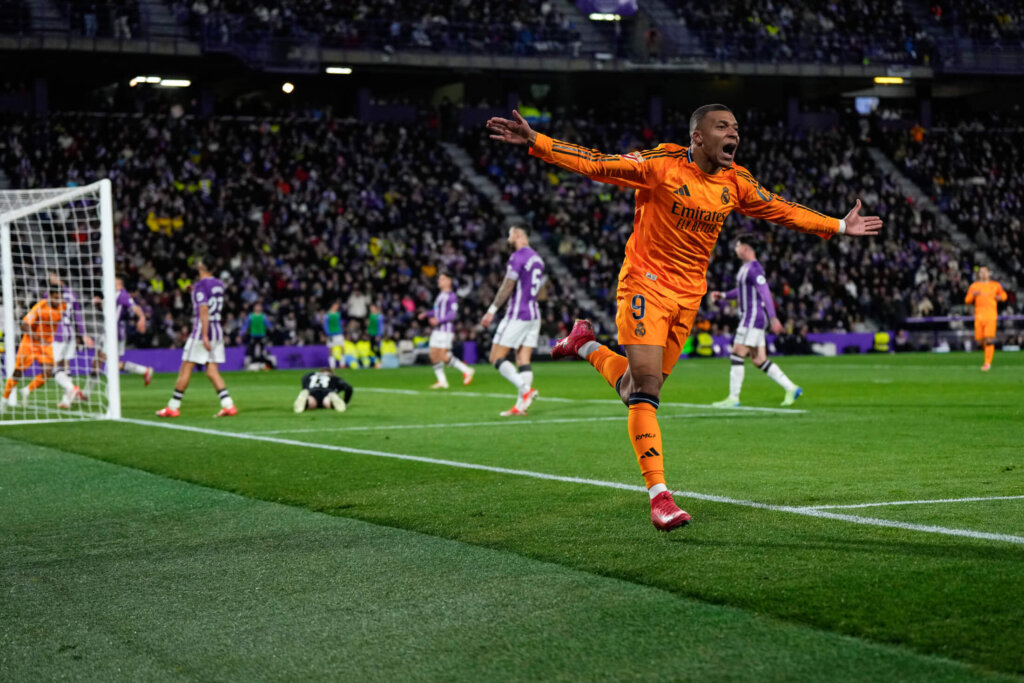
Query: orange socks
[
  {"x": 645, "y": 436},
  {"x": 9, "y": 387},
  {"x": 36, "y": 382},
  {"x": 611, "y": 365},
  {"x": 989, "y": 352}
]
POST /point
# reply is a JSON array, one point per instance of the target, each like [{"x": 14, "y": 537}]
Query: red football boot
[
  {"x": 665, "y": 514},
  {"x": 582, "y": 332}
]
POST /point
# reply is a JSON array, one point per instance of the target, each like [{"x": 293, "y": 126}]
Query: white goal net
[{"x": 58, "y": 305}]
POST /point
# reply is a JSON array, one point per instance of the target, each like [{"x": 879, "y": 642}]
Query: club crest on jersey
[
  {"x": 725, "y": 195},
  {"x": 640, "y": 330}
]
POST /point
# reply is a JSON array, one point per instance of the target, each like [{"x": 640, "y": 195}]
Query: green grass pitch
[{"x": 419, "y": 536}]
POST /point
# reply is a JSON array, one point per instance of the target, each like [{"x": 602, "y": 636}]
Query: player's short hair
[
  {"x": 750, "y": 241},
  {"x": 700, "y": 112},
  {"x": 519, "y": 228},
  {"x": 203, "y": 261},
  {"x": 447, "y": 273}
]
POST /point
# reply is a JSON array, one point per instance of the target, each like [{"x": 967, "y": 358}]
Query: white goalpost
[{"x": 58, "y": 305}]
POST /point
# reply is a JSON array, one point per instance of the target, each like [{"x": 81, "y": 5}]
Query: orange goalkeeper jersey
[
  {"x": 984, "y": 296},
  {"x": 680, "y": 209},
  {"x": 43, "y": 319}
]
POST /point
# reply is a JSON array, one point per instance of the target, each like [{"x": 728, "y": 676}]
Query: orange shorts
[
  {"x": 32, "y": 352},
  {"x": 984, "y": 328},
  {"x": 647, "y": 316}
]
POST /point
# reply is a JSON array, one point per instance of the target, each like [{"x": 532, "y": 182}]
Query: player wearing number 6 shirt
[
  {"x": 520, "y": 327},
  {"x": 683, "y": 196},
  {"x": 757, "y": 311},
  {"x": 320, "y": 390},
  {"x": 205, "y": 346}
]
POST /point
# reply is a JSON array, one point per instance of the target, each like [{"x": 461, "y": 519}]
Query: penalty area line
[
  {"x": 973, "y": 499},
  {"x": 807, "y": 512},
  {"x": 555, "y": 399},
  {"x": 514, "y": 422}
]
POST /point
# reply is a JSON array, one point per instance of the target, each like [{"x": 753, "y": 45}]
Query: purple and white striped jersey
[
  {"x": 446, "y": 305},
  {"x": 527, "y": 269},
  {"x": 208, "y": 291},
  {"x": 754, "y": 297},
  {"x": 64, "y": 330}
]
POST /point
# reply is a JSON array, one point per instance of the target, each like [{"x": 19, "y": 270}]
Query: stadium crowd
[
  {"x": 830, "y": 285},
  {"x": 972, "y": 169},
  {"x": 857, "y": 32},
  {"x": 528, "y": 27},
  {"x": 298, "y": 213}
]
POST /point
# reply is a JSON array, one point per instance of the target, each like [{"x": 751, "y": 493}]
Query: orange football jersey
[
  {"x": 680, "y": 209},
  {"x": 42, "y": 319},
  {"x": 984, "y": 296}
]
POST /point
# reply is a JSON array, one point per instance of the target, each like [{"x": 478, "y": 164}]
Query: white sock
[
  {"x": 134, "y": 368},
  {"x": 525, "y": 381},
  {"x": 509, "y": 372},
  {"x": 656, "y": 489},
  {"x": 735, "y": 377},
  {"x": 225, "y": 398},
  {"x": 776, "y": 373},
  {"x": 332, "y": 362},
  {"x": 588, "y": 349},
  {"x": 174, "y": 403},
  {"x": 439, "y": 373},
  {"x": 65, "y": 382},
  {"x": 90, "y": 383},
  {"x": 458, "y": 364}
]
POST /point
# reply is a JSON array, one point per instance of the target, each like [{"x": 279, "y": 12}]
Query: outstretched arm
[
  {"x": 758, "y": 202},
  {"x": 504, "y": 292},
  {"x": 637, "y": 169}
]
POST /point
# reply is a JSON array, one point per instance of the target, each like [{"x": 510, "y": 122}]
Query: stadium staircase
[
  {"x": 677, "y": 39},
  {"x": 591, "y": 39},
  {"x": 485, "y": 187},
  {"x": 966, "y": 245},
  {"x": 158, "y": 21}
]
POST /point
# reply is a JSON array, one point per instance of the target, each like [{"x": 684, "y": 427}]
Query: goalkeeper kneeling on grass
[{"x": 320, "y": 389}]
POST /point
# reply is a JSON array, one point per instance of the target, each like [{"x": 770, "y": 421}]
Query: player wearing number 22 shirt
[
  {"x": 683, "y": 197},
  {"x": 205, "y": 346}
]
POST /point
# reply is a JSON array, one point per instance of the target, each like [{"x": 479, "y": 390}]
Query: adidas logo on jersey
[{"x": 683, "y": 191}]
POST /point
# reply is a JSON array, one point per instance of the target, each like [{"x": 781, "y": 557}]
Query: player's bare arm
[
  {"x": 140, "y": 315},
  {"x": 204, "y": 318},
  {"x": 504, "y": 292}
]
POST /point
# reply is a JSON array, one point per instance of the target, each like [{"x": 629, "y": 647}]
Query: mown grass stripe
[{"x": 808, "y": 512}]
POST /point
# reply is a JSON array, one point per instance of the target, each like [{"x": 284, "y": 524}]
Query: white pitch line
[
  {"x": 807, "y": 512},
  {"x": 555, "y": 399},
  {"x": 913, "y": 502},
  {"x": 496, "y": 423}
]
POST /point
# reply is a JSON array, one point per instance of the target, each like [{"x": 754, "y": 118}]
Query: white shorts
[
  {"x": 749, "y": 336},
  {"x": 516, "y": 333},
  {"x": 441, "y": 340},
  {"x": 336, "y": 340},
  {"x": 101, "y": 346},
  {"x": 64, "y": 350},
  {"x": 196, "y": 353}
]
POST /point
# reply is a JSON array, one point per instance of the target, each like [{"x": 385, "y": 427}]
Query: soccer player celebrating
[
  {"x": 124, "y": 304},
  {"x": 320, "y": 390},
  {"x": 984, "y": 293},
  {"x": 756, "y": 312},
  {"x": 520, "y": 327},
  {"x": 684, "y": 195},
  {"x": 38, "y": 327},
  {"x": 442, "y": 319},
  {"x": 205, "y": 346}
]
